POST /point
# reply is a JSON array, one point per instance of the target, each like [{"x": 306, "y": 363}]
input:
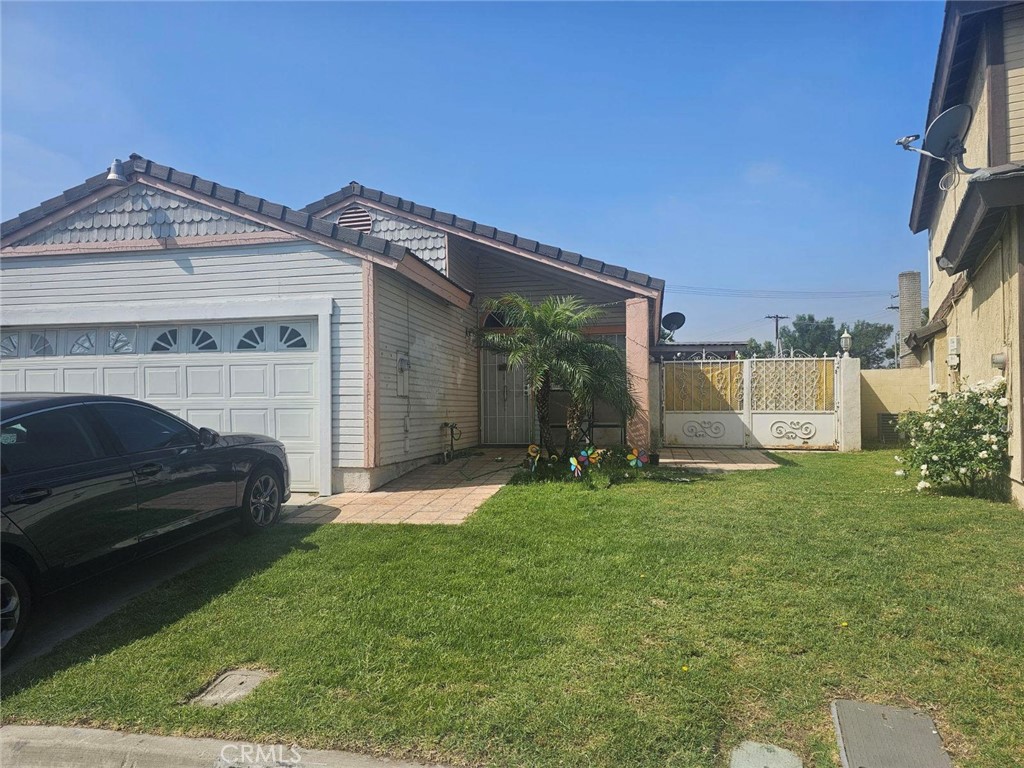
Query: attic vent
[{"x": 356, "y": 218}]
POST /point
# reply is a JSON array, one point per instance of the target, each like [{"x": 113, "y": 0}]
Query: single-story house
[{"x": 343, "y": 329}]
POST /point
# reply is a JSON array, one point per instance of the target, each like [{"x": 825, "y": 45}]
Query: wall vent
[
  {"x": 887, "y": 434},
  {"x": 356, "y": 218}
]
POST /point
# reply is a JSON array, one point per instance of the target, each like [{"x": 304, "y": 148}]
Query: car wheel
[
  {"x": 15, "y": 605},
  {"x": 262, "y": 504}
]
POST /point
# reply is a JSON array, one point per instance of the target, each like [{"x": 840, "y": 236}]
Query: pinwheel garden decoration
[
  {"x": 587, "y": 457},
  {"x": 534, "y": 453},
  {"x": 574, "y": 466},
  {"x": 637, "y": 457}
]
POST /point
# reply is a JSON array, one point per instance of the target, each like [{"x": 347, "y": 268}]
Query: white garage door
[{"x": 254, "y": 376}]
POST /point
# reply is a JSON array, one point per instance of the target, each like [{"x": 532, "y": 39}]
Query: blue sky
[{"x": 730, "y": 145}]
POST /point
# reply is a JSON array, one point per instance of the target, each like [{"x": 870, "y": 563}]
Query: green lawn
[{"x": 648, "y": 624}]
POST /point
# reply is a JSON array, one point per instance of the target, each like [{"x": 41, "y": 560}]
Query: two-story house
[{"x": 975, "y": 222}]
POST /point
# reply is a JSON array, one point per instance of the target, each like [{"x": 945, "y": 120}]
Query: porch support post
[{"x": 638, "y": 353}]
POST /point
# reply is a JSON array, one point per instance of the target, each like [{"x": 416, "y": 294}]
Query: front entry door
[{"x": 508, "y": 412}]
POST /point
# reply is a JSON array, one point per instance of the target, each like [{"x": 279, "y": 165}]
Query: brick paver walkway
[{"x": 441, "y": 494}]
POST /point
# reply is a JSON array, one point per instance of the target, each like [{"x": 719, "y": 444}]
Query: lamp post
[{"x": 846, "y": 341}]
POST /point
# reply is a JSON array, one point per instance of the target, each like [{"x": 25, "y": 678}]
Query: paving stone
[
  {"x": 752, "y": 754},
  {"x": 231, "y": 686}
]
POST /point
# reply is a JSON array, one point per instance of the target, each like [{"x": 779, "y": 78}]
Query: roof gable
[
  {"x": 468, "y": 228},
  {"x": 201, "y": 197},
  {"x": 137, "y": 213}
]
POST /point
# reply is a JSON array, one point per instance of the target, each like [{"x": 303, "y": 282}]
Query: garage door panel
[
  {"x": 302, "y": 465},
  {"x": 293, "y": 380},
  {"x": 162, "y": 381},
  {"x": 212, "y": 418},
  {"x": 41, "y": 380},
  {"x": 255, "y": 420},
  {"x": 81, "y": 380},
  {"x": 250, "y": 380},
  {"x": 123, "y": 382},
  {"x": 204, "y": 380},
  {"x": 12, "y": 381},
  {"x": 294, "y": 423}
]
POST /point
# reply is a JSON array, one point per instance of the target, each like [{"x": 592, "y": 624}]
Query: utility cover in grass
[
  {"x": 751, "y": 754},
  {"x": 873, "y": 736},
  {"x": 231, "y": 686}
]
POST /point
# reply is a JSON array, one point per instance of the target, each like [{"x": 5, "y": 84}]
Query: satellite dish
[
  {"x": 945, "y": 136},
  {"x": 673, "y": 321}
]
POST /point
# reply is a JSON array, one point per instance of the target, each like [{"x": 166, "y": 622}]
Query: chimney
[{"x": 910, "y": 315}]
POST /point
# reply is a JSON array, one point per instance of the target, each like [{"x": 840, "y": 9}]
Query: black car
[{"x": 88, "y": 482}]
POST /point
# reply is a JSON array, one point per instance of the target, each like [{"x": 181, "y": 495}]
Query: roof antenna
[
  {"x": 944, "y": 140},
  {"x": 116, "y": 174}
]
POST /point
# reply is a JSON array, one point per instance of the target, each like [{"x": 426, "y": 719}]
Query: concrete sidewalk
[{"x": 36, "y": 746}]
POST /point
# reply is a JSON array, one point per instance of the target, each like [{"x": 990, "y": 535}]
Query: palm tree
[{"x": 547, "y": 341}]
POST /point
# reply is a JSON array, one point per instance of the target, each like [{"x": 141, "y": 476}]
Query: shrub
[{"x": 960, "y": 440}]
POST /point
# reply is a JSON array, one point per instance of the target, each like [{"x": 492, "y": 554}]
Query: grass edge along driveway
[{"x": 648, "y": 624}]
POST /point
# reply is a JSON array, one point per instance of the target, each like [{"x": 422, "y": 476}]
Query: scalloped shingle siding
[{"x": 140, "y": 213}]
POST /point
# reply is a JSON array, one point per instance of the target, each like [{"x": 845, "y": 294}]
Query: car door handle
[
  {"x": 29, "y": 496},
  {"x": 148, "y": 470}
]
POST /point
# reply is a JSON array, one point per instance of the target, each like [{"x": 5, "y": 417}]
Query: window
[
  {"x": 9, "y": 346},
  {"x": 121, "y": 341},
  {"x": 290, "y": 337},
  {"x": 204, "y": 340},
  {"x": 252, "y": 338},
  {"x": 55, "y": 438},
  {"x": 82, "y": 342},
  {"x": 142, "y": 429},
  {"x": 164, "y": 340},
  {"x": 41, "y": 343}
]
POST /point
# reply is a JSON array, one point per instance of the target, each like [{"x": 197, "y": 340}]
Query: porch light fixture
[
  {"x": 116, "y": 174},
  {"x": 846, "y": 341},
  {"x": 999, "y": 361},
  {"x": 944, "y": 263}
]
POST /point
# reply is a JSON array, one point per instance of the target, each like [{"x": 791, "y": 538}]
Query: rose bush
[{"x": 960, "y": 440}]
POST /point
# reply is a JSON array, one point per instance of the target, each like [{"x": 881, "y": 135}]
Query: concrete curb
[{"x": 36, "y": 746}]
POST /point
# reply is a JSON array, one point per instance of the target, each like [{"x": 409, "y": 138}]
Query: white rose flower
[
  {"x": 946, "y": 478},
  {"x": 1003, "y": 402},
  {"x": 983, "y": 455},
  {"x": 899, "y": 473},
  {"x": 962, "y": 470},
  {"x": 934, "y": 457},
  {"x": 923, "y": 484},
  {"x": 899, "y": 459},
  {"x": 927, "y": 425}
]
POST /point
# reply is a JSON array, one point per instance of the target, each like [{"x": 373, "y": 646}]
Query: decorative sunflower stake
[{"x": 534, "y": 453}]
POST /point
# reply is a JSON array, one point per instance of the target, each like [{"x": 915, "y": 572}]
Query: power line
[{"x": 757, "y": 293}]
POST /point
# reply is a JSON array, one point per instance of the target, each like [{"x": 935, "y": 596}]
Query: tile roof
[
  {"x": 136, "y": 164},
  {"x": 355, "y": 189}
]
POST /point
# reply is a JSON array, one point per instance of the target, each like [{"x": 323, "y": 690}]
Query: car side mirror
[{"x": 207, "y": 437}]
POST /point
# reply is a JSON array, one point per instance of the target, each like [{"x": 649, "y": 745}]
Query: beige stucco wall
[
  {"x": 890, "y": 391},
  {"x": 987, "y": 321}
]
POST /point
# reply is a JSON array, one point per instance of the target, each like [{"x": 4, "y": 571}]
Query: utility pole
[
  {"x": 778, "y": 341},
  {"x": 896, "y": 341}
]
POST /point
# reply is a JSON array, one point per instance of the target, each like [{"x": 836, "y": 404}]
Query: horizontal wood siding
[
  {"x": 1013, "y": 51},
  {"x": 278, "y": 270},
  {"x": 444, "y": 376},
  {"x": 498, "y": 275}
]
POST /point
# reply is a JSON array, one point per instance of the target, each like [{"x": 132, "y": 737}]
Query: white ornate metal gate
[{"x": 760, "y": 403}]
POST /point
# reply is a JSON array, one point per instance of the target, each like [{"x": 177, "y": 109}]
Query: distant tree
[
  {"x": 810, "y": 336},
  {"x": 870, "y": 343},
  {"x": 817, "y": 338},
  {"x": 757, "y": 348}
]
